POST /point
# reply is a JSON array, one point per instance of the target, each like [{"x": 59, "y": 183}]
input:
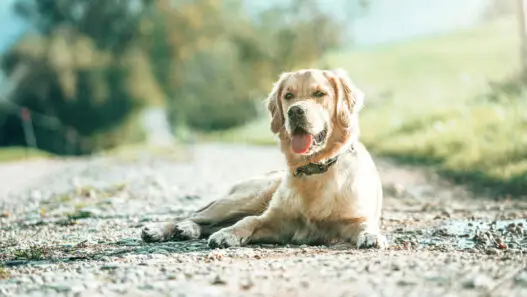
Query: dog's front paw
[
  {"x": 184, "y": 230},
  {"x": 367, "y": 240},
  {"x": 153, "y": 234},
  {"x": 224, "y": 239}
]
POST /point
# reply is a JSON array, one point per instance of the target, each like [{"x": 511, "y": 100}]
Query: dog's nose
[{"x": 295, "y": 112}]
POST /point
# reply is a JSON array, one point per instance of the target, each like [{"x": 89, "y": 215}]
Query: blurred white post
[
  {"x": 522, "y": 11},
  {"x": 157, "y": 126}
]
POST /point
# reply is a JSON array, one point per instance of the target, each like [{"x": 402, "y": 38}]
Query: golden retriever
[{"x": 332, "y": 191}]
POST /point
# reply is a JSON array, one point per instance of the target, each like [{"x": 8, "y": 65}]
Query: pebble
[
  {"x": 59, "y": 288},
  {"x": 246, "y": 283},
  {"x": 109, "y": 267},
  {"x": 218, "y": 280},
  {"x": 396, "y": 189},
  {"x": 37, "y": 279},
  {"x": 521, "y": 279},
  {"x": 407, "y": 282},
  {"x": 480, "y": 281},
  {"x": 492, "y": 251}
]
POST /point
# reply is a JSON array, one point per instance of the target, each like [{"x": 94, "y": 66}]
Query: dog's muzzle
[
  {"x": 297, "y": 117},
  {"x": 299, "y": 124},
  {"x": 304, "y": 138}
]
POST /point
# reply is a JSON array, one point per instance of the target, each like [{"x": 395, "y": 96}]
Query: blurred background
[{"x": 444, "y": 79}]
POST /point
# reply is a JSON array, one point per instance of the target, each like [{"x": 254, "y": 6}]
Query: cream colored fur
[{"x": 342, "y": 205}]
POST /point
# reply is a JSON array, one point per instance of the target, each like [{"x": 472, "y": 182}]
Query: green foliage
[
  {"x": 94, "y": 64},
  {"x": 76, "y": 70},
  {"x": 222, "y": 63},
  {"x": 32, "y": 253},
  {"x": 4, "y": 273},
  {"x": 21, "y": 153},
  {"x": 447, "y": 109}
]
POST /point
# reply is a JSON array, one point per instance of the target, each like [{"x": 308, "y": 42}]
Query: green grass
[
  {"x": 256, "y": 133},
  {"x": 136, "y": 151},
  {"x": 430, "y": 101},
  {"x": 4, "y": 273},
  {"x": 10, "y": 154}
]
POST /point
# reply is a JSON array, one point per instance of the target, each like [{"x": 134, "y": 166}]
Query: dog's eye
[
  {"x": 289, "y": 96},
  {"x": 319, "y": 94}
]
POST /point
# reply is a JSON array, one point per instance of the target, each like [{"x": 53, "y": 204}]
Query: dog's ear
[
  {"x": 350, "y": 99},
  {"x": 274, "y": 104}
]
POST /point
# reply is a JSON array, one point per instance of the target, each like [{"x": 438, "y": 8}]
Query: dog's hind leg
[{"x": 247, "y": 198}]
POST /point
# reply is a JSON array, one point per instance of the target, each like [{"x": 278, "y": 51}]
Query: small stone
[
  {"x": 171, "y": 277},
  {"x": 59, "y": 288},
  {"x": 36, "y": 279},
  {"x": 104, "y": 258},
  {"x": 146, "y": 287},
  {"x": 215, "y": 255},
  {"x": 406, "y": 282},
  {"x": 157, "y": 253},
  {"x": 521, "y": 279},
  {"x": 246, "y": 283},
  {"x": 397, "y": 190},
  {"x": 480, "y": 281},
  {"x": 446, "y": 212},
  {"x": 492, "y": 251},
  {"x": 217, "y": 280},
  {"x": 14, "y": 263},
  {"x": 109, "y": 267}
]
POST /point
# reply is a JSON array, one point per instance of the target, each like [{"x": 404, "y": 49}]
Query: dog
[{"x": 331, "y": 192}]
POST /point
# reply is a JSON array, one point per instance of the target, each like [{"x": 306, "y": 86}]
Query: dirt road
[{"x": 72, "y": 229}]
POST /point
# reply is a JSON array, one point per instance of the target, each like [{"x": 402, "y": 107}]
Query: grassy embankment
[
  {"x": 432, "y": 101},
  {"x": 9, "y": 154}
]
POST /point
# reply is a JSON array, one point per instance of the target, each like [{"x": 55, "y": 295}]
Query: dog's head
[{"x": 315, "y": 113}]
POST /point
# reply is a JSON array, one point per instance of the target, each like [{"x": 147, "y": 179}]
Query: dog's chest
[{"x": 330, "y": 199}]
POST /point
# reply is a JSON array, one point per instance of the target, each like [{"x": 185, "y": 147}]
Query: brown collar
[{"x": 319, "y": 168}]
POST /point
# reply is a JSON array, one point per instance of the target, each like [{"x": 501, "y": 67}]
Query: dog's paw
[
  {"x": 224, "y": 239},
  {"x": 184, "y": 230},
  {"x": 368, "y": 240},
  {"x": 153, "y": 234}
]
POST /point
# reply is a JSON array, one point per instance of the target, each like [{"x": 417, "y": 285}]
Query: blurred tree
[
  {"x": 77, "y": 68},
  {"x": 218, "y": 61},
  {"x": 93, "y": 63}
]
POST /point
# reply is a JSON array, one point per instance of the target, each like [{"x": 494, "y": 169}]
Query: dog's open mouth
[{"x": 302, "y": 141}]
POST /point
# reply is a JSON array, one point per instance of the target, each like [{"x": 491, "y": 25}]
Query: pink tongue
[{"x": 301, "y": 143}]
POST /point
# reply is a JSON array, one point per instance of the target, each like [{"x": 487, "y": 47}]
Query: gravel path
[
  {"x": 71, "y": 228},
  {"x": 15, "y": 177}
]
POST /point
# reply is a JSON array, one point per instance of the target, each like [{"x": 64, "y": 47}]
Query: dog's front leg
[
  {"x": 266, "y": 228},
  {"x": 247, "y": 198},
  {"x": 368, "y": 235}
]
